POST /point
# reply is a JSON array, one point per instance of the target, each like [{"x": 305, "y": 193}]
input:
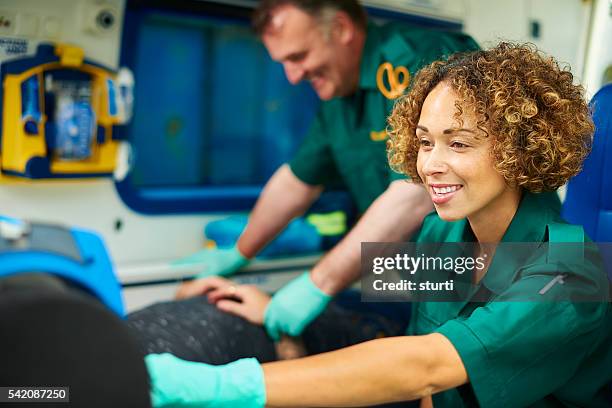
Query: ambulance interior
[{"x": 182, "y": 117}]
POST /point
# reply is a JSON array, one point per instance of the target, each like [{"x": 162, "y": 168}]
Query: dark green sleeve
[
  {"x": 518, "y": 352},
  {"x": 314, "y": 163},
  {"x": 394, "y": 176}
]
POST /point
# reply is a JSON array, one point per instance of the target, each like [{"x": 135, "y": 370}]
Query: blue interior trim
[
  {"x": 174, "y": 200},
  {"x": 56, "y": 176}
]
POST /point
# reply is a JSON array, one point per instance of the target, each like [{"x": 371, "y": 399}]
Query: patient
[
  {"x": 486, "y": 132},
  {"x": 206, "y": 328}
]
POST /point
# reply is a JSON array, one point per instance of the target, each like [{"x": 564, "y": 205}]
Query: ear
[{"x": 344, "y": 28}]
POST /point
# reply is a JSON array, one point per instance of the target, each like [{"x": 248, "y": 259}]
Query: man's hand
[
  {"x": 294, "y": 306},
  {"x": 218, "y": 262}
]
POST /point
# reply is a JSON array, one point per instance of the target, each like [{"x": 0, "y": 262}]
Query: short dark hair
[{"x": 262, "y": 14}]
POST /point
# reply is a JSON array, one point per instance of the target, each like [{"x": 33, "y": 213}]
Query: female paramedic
[{"x": 485, "y": 132}]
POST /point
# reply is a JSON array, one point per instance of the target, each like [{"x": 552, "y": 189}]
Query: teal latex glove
[
  {"x": 178, "y": 383},
  {"x": 294, "y": 306},
  {"x": 219, "y": 262}
]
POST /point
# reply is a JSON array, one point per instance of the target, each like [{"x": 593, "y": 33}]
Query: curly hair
[{"x": 539, "y": 120}]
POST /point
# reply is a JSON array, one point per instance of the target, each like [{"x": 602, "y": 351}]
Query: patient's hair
[
  {"x": 316, "y": 8},
  {"x": 539, "y": 121}
]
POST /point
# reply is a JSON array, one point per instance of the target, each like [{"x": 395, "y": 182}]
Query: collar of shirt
[{"x": 528, "y": 226}]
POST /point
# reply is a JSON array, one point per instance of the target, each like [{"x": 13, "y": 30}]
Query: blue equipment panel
[{"x": 75, "y": 255}]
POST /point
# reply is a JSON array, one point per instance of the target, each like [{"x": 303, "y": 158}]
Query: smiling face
[
  {"x": 455, "y": 163},
  {"x": 300, "y": 42}
]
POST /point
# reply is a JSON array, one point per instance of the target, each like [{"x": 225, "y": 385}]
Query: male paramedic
[{"x": 357, "y": 69}]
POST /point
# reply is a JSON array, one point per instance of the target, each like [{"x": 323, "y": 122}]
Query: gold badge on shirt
[
  {"x": 378, "y": 136},
  {"x": 398, "y": 79}
]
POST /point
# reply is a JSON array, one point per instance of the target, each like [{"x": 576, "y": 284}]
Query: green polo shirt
[
  {"x": 525, "y": 353},
  {"x": 345, "y": 146}
]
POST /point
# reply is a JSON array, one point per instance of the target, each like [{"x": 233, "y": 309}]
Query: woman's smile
[{"x": 443, "y": 193}]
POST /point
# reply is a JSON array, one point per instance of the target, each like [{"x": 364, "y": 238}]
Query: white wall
[
  {"x": 69, "y": 21},
  {"x": 563, "y": 25},
  {"x": 599, "y": 50},
  {"x": 449, "y": 10}
]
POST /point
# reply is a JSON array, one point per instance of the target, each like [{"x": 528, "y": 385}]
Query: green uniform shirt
[
  {"x": 345, "y": 145},
  {"x": 525, "y": 353}
]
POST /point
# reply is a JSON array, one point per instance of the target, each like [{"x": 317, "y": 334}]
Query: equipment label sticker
[{"x": 13, "y": 46}]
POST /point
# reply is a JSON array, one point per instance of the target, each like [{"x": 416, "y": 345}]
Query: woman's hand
[
  {"x": 198, "y": 287},
  {"x": 246, "y": 301}
]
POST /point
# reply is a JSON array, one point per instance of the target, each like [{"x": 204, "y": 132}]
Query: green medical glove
[
  {"x": 219, "y": 262},
  {"x": 178, "y": 383},
  {"x": 294, "y": 306}
]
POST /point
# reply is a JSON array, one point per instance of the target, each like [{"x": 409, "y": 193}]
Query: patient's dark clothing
[{"x": 195, "y": 330}]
